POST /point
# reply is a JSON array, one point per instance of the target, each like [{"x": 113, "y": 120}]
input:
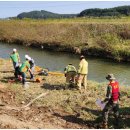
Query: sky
[{"x": 13, "y": 8}]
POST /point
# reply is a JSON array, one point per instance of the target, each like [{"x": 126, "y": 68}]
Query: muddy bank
[
  {"x": 57, "y": 47},
  {"x": 101, "y": 38}
]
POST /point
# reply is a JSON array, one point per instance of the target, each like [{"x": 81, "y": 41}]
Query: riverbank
[
  {"x": 107, "y": 38},
  {"x": 61, "y": 108}
]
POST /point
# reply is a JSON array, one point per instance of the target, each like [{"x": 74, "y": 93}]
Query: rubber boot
[
  {"x": 32, "y": 77},
  {"x": 105, "y": 126},
  {"x": 116, "y": 123}
]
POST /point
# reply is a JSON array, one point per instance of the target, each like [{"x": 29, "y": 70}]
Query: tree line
[
  {"x": 94, "y": 12},
  {"x": 116, "y": 11}
]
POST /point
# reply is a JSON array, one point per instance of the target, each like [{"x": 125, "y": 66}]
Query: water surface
[{"x": 56, "y": 61}]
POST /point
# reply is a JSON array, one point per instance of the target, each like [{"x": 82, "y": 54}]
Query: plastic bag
[{"x": 100, "y": 104}]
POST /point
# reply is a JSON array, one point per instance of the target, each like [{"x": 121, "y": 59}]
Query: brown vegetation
[
  {"x": 63, "y": 107},
  {"x": 99, "y": 37}
]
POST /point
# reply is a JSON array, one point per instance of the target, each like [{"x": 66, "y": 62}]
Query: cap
[
  {"x": 14, "y": 50},
  {"x": 82, "y": 57},
  {"x": 110, "y": 77},
  {"x": 26, "y": 57},
  {"x": 29, "y": 58}
]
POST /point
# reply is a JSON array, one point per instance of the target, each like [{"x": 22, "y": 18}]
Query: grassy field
[
  {"x": 108, "y": 37},
  {"x": 62, "y": 108}
]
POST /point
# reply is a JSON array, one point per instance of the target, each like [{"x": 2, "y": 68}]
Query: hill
[
  {"x": 43, "y": 15},
  {"x": 116, "y": 11},
  {"x": 94, "y": 12}
]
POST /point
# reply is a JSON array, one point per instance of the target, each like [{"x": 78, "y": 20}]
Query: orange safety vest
[{"x": 115, "y": 91}]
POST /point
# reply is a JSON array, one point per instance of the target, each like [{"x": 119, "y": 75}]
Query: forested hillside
[
  {"x": 117, "y": 11},
  {"x": 96, "y": 12},
  {"x": 43, "y": 15}
]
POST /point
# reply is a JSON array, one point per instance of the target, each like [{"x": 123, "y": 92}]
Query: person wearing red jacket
[{"x": 111, "y": 100}]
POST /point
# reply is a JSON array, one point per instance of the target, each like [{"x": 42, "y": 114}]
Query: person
[
  {"x": 70, "y": 73},
  {"x": 111, "y": 100},
  {"x": 25, "y": 67},
  {"x": 32, "y": 67},
  {"x": 15, "y": 60},
  {"x": 82, "y": 73}
]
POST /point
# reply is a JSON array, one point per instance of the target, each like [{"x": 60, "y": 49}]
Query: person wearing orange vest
[{"x": 111, "y": 100}]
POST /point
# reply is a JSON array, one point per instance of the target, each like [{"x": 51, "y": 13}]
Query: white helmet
[
  {"x": 29, "y": 58},
  {"x": 26, "y": 57},
  {"x": 14, "y": 50}
]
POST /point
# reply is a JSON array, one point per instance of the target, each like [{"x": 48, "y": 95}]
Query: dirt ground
[
  {"x": 34, "y": 116},
  {"x": 62, "y": 107}
]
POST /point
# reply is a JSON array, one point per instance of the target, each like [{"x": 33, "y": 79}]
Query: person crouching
[
  {"x": 24, "y": 68},
  {"x": 32, "y": 67},
  {"x": 70, "y": 73}
]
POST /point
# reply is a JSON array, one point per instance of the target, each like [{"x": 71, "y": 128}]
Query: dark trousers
[
  {"x": 16, "y": 67},
  {"x": 70, "y": 77},
  {"x": 15, "y": 64},
  {"x": 31, "y": 75},
  {"x": 32, "y": 71},
  {"x": 111, "y": 106},
  {"x": 17, "y": 72},
  {"x": 23, "y": 78}
]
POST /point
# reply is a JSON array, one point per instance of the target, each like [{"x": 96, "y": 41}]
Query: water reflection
[{"x": 98, "y": 68}]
